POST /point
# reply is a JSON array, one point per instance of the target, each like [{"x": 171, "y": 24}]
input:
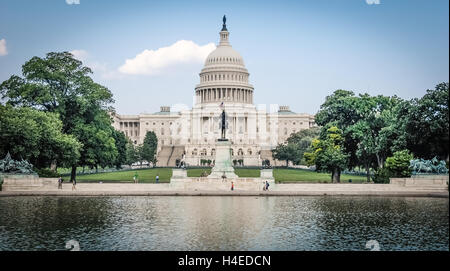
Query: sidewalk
[{"x": 308, "y": 189}]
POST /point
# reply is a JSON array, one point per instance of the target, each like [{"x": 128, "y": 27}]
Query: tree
[
  {"x": 36, "y": 136},
  {"x": 131, "y": 153},
  {"x": 374, "y": 133},
  {"x": 426, "y": 123},
  {"x": 121, "y": 145},
  {"x": 369, "y": 125},
  {"x": 301, "y": 140},
  {"x": 286, "y": 152},
  {"x": 150, "y": 147},
  {"x": 328, "y": 153},
  {"x": 59, "y": 83}
]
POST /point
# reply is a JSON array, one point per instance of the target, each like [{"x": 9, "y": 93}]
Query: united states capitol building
[{"x": 224, "y": 84}]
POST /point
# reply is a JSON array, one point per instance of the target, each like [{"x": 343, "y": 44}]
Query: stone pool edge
[{"x": 228, "y": 193}]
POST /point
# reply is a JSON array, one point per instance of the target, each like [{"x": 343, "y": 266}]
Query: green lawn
[
  {"x": 281, "y": 175},
  {"x": 144, "y": 176},
  {"x": 302, "y": 175}
]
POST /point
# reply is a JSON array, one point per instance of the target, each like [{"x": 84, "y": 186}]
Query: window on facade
[
  {"x": 249, "y": 151},
  {"x": 162, "y": 131},
  {"x": 204, "y": 153},
  {"x": 240, "y": 152},
  {"x": 194, "y": 152}
]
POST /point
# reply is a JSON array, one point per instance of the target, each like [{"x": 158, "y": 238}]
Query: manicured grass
[
  {"x": 197, "y": 172},
  {"x": 247, "y": 172},
  {"x": 282, "y": 175},
  {"x": 144, "y": 176}
]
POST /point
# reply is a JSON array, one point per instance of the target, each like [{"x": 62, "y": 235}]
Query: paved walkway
[{"x": 305, "y": 189}]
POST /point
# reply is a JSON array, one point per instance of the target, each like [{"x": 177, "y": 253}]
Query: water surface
[{"x": 224, "y": 223}]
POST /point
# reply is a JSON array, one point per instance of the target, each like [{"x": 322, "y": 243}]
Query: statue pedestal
[{"x": 222, "y": 163}]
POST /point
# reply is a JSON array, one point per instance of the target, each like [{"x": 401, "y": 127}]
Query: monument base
[{"x": 222, "y": 164}]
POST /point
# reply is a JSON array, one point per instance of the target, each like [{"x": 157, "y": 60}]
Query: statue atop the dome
[{"x": 224, "y": 27}]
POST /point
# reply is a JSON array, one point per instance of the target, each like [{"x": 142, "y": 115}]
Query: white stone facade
[{"x": 224, "y": 84}]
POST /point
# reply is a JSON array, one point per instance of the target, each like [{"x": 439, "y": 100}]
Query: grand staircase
[{"x": 168, "y": 155}]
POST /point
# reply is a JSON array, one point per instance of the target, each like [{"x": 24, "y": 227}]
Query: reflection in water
[{"x": 223, "y": 223}]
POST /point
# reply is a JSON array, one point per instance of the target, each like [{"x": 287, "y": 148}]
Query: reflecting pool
[{"x": 224, "y": 223}]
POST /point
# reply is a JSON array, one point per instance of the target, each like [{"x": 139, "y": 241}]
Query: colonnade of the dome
[{"x": 237, "y": 95}]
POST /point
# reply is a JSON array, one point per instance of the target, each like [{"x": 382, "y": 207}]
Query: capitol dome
[
  {"x": 224, "y": 77},
  {"x": 224, "y": 55}
]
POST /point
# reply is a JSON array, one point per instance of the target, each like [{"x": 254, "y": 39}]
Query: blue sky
[{"x": 297, "y": 52}]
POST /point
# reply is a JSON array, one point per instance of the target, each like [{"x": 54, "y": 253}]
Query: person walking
[
  {"x": 157, "y": 178},
  {"x": 60, "y": 183},
  {"x": 232, "y": 186},
  {"x": 74, "y": 184},
  {"x": 267, "y": 185},
  {"x": 135, "y": 177}
]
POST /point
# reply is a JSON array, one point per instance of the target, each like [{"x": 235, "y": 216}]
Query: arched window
[
  {"x": 285, "y": 131},
  {"x": 213, "y": 152},
  {"x": 162, "y": 131},
  {"x": 194, "y": 152},
  {"x": 249, "y": 151},
  {"x": 204, "y": 153},
  {"x": 240, "y": 152}
]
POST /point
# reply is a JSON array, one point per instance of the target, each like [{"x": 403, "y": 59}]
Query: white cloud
[
  {"x": 79, "y": 54},
  {"x": 151, "y": 62},
  {"x": 73, "y": 2},
  {"x": 98, "y": 68},
  {"x": 3, "y": 50},
  {"x": 370, "y": 2}
]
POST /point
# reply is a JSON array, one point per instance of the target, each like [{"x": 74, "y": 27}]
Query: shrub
[
  {"x": 381, "y": 176},
  {"x": 47, "y": 173},
  {"x": 398, "y": 165}
]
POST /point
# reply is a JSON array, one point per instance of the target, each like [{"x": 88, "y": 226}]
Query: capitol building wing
[{"x": 224, "y": 84}]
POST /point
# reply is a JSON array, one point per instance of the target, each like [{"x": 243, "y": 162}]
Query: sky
[{"x": 150, "y": 53}]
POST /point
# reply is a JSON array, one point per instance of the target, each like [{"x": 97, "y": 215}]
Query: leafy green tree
[
  {"x": 426, "y": 123},
  {"x": 301, "y": 140},
  {"x": 399, "y": 164},
  {"x": 150, "y": 147},
  {"x": 369, "y": 124},
  {"x": 131, "y": 153},
  {"x": 36, "y": 136},
  {"x": 59, "y": 83},
  {"x": 285, "y": 152},
  {"x": 121, "y": 145},
  {"x": 328, "y": 153},
  {"x": 374, "y": 133}
]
